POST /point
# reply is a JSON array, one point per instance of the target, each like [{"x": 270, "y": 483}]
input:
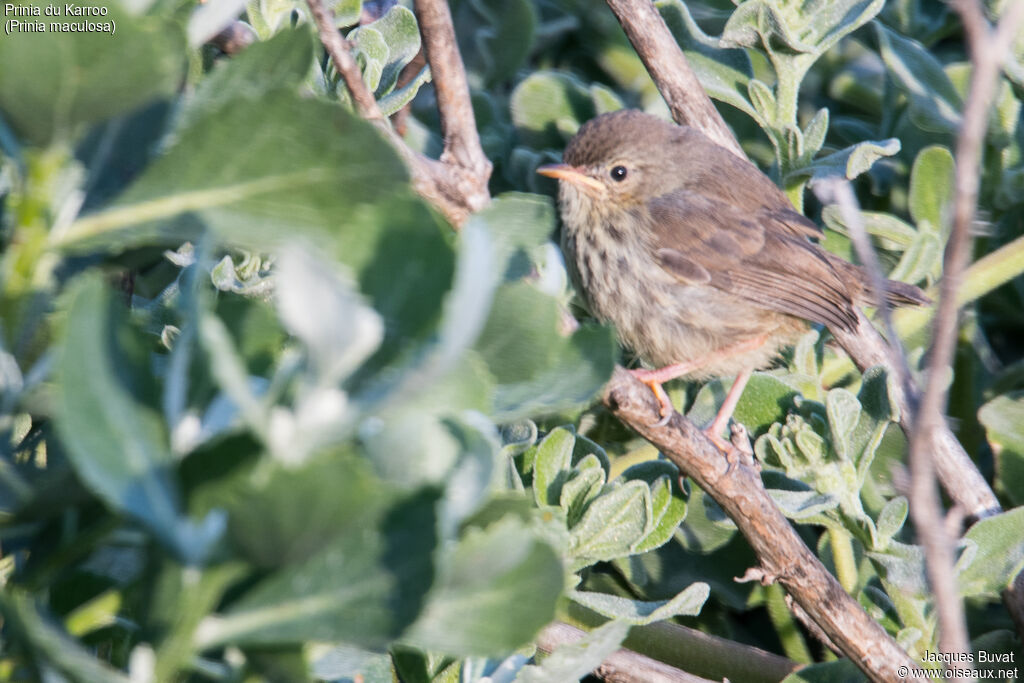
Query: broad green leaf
[
  {"x": 54, "y": 648},
  {"x": 548, "y": 107},
  {"x": 54, "y": 82},
  {"x": 338, "y": 662},
  {"x": 280, "y": 62},
  {"x": 878, "y": 411},
  {"x": 840, "y": 671},
  {"x": 582, "y": 486},
  {"x": 892, "y": 232},
  {"x": 573, "y": 662},
  {"x": 1000, "y": 554},
  {"x": 551, "y": 465},
  {"x": 496, "y": 590},
  {"x": 901, "y": 567},
  {"x": 255, "y": 178},
  {"x": 668, "y": 506},
  {"x": 803, "y": 505},
  {"x": 891, "y": 519},
  {"x": 763, "y": 99},
  {"x": 396, "y": 99},
  {"x": 385, "y": 46},
  {"x": 814, "y": 134},
  {"x": 495, "y": 36},
  {"x": 931, "y": 186},
  {"x": 724, "y": 72},
  {"x": 116, "y": 443},
  {"x": 1003, "y": 418},
  {"x": 922, "y": 258},
  {"x": 638, "y": 613},
  {"x": 934, "y": 101},
  {"x": 765, "y": 400},
  {"x": 843, "y": 410},
  {"x": 613, "y": 524},
  {"x": 365, "y": 587},
  {"x": 538, "y": 370},
  {"x": 758, "y": 22},
  {"x": 283, "y": 515},
  {"x": 372, "y": 52}
]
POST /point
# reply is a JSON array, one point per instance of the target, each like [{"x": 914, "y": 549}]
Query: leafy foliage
[{"x": 264, "y": 416}]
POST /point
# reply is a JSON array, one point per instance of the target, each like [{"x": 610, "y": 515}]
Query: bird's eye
[{"x": 618, "y": 173}]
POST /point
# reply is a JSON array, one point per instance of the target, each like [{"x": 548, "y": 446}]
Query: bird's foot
[{"x": 652, "y": 379}]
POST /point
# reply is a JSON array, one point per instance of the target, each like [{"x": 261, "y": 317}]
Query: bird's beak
[{"x": 570, "y": 174}]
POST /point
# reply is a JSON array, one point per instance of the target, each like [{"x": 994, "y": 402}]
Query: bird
[{"x": 696, "y": 257}]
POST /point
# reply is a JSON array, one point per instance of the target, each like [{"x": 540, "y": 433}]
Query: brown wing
[{"x": 704, "y": 241}]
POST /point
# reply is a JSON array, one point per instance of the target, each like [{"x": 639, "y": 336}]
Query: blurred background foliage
[{"x": 265, "y": 416}]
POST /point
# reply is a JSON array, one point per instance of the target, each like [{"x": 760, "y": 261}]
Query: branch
[
  {"x": 457, "y": 184},
  {"x": 671, "y": 72},
  {"x": 782, "y": 554},
  {"x": 458, "y": 125},
  {"x": 622, "y": 666},
  {"x": 987, "y": 49}
]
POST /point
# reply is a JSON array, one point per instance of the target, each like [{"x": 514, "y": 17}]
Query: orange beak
[{"x": 571, "y": 174}]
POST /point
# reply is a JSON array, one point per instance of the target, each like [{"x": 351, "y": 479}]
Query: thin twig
[
  {"x": 987, "y": 49},
  {"x": 463, "y": 155},
  {"x": 455, "y": 190},
  {"x": 667, "y": 65},
  {"x": 782, "y": 554},
  {"x": 341, "y": 54},
  {"x": 622, "y": 666}
]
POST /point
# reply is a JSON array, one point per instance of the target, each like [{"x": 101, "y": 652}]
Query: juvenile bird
[{"x": 694, "y": 255}]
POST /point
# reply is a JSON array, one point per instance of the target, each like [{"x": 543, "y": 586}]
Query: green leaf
[
  {"x": 891, "y": 519},
  {"x": 54, "y": 648},
  {"x": 538, "y": 370},
  {"x": 396, "y": 99},
  {"x": 254, "y": 180},
  {"x": 931, "y": 186},
  {"x": 843, "y": 411},
  {"x": 814, "y": 134},
  {"x": 922, "y": 258},
  {"x": 848, "y": 163},
  {"x": 280, "y": 62},
  {"x": 892, "y": 232},
  {"x": 638, "y": 613},
  {"x": 1000, "y": 554},
  {"x": 575, "y": 661},
  {"x": 371, "y": 50},
  {"x": 497, "y": 589},
  {"x": 723, "y": 72},
  {"x": 841, "y": 671},
  {"x": 803, "y": 505},
  {"x": 1003, "y": 419},
  {"x": 613, "y": 524},
  {"x": 551, "y": 465},
  {"x": 668, "y": 505},
  {"x": 763, "y": 99},
  {"x": 115, "y": 442},
  {"x": 495, "y": 36},
  {"x": 400, "y": 36},
  {"x": 759, "y": 22},
  {"x": 765, "y": 400},
  {"x": 548, "y": 107},
  {"x": 365, "y": 587},
  {"x": 934, "y": 102},
  {"x": 54, "y": 82},
  {"x": 283, "y": 515},
  {"x": 583, "y": 485}
]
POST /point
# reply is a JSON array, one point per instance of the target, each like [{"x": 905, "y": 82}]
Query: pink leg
[
  {"x": 721, "y": 421},
  {"x": 655, "y": 378}
]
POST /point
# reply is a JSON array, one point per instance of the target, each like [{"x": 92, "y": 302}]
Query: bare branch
[
  {"x": 781, "y": 552},
  {"x": 458, "y": 125},
  {"x": 671, "y": 72},
  {"x": 622, "y": 666},
  {"x": 988, "y": 49},
  {"x": 455, "y": 190}
]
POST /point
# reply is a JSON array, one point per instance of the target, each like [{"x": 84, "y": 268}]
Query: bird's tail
[{"x": 902, "y": 294}]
